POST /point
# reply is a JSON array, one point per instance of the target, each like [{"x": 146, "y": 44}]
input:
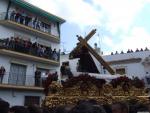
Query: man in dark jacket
[
  {"x": 2, "y": 73},
  {"x": 37, "y": 78}
]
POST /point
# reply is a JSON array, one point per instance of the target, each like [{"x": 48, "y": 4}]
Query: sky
[{"x": 120, "y": 24}]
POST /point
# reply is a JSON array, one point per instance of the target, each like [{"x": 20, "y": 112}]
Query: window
[
  {"x": 121, "y": 71},
  {"x": 17, "y": 75},
  {"x": 32, "y": 100}
]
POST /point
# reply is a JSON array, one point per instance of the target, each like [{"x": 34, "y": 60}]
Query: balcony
[
  {"x": 12, "y": 48},
  {"x": 31, "y": 88},
  {"x": 39, "y": 31},
  {"x": 28, "y": 57},
  {"x": 20, "y": 82}
]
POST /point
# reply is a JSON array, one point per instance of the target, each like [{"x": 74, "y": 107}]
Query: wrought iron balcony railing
[
  {"x": 38, "y": 51},
  {"x": 30, "y": 24},
  {"x": 21, "y": 80}
]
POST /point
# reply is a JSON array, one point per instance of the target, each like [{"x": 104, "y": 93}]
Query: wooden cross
[
  {"x": 83, "y": 42},
  {"x": 79, "y": 45}
]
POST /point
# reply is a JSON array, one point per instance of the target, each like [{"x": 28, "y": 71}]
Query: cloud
[
  {"x": 108, "y": 41},
  {"x": 74, "y": 11},
  {"x": 120, "y": 13},
  {"x": 113, "y": 15},
  {"x": 138, "y": 38},
  {"x": 48, "y": 5}
]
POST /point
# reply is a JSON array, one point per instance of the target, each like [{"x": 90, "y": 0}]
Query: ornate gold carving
[{"x": 107, "y": 94}]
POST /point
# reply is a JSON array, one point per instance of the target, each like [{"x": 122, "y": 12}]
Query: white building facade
[
  {"x": 29, "y": 41},
  {"x": 131, "y": 64}
]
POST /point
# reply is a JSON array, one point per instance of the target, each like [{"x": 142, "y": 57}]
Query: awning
[{"x": 37, "y": 11}]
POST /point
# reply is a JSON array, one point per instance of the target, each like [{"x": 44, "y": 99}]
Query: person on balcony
[
  {"x": 39, "y": 50},
  {"x": 23, "y": 16},
  {"x": 27, "y": 45},
  {"x": 38, "y": 23},
  {"x": 12, "y": 43},
  {"x": 43, "y": 51},
  {"x": 6, "y": 43},
  {"x": 50, "y": 52},
  {"x": 37, "y": 78},
  {"x": 137, "y": 50},
  {"x": 34, "y": 48},
  {"x": 141, "y": 49},
  {"x": 17, "y": 41},
  {"x": 17, "y": 17},
  {"x": 34, "y": 21},
  {"x": 146, "y": 49},
  {"x": 58, "y": 55},
  {"x": 2, "y": 73},
  {"x": 12, "y": 15},
  {"x": 27, "y": 20},
  {"x": 54, "y": 56},
  {"x": 131, "y": 51}
]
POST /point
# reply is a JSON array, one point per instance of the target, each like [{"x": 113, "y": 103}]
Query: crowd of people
[
  {"x": 26, "y": 46},
  {"x": 131, "y": 51},
  {"x": 82, "y": 106},
  {"x": 23, "y": 18}
]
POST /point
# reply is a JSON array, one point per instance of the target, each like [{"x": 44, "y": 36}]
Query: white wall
[
  {"x": 127, "y": 56},
  {"x": 3, "y": 5},
  {"x": 8, "y": 32},
  {"x": 54, "y": 29},
  {"x": 31, "y": 68},
  {"x": 5, "y": 32},
  {"x": 15, "y": 97},
  {"x": 72, "y": 63},
  {"x": 137, "y": 69},
  {"x": 132, "y": 69}
]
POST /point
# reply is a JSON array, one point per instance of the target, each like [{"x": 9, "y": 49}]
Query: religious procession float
[{"x": 88, "y": 87}]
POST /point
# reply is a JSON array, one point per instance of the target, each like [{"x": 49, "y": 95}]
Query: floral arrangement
[
  {"x": 51, "y": 77},
  {"x": 136, "y": 82},
  {"x": 118, "y": 81},
  {"x": 54, "y": 86},
  {"x": 84, "y": 78}
]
